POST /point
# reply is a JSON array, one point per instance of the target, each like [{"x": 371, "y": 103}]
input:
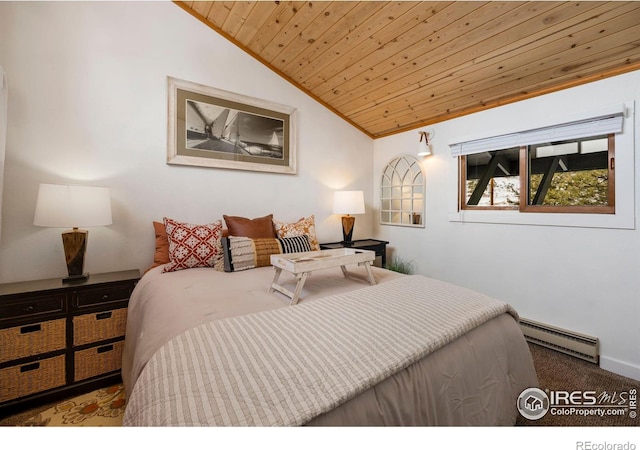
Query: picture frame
[{"x": 209, "y": 127}]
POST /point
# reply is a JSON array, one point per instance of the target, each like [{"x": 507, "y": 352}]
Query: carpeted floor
[
  {"x": 556, "y": 371},
  {"x": 559, "y": 372}
]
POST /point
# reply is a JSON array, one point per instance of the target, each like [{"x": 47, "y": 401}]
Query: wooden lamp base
[
  {"x": 347, "y": 230},
  {"x": 75, "y": 245}
]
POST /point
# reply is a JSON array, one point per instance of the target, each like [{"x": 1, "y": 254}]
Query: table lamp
[
  {"x": 348, "y": 202},
  {"x": 63, "y": 206}
]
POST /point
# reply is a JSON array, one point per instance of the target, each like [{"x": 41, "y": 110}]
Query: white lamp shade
[
  {"x": 424, "y": 149},
  {"x": 64, "y": 206},
  {"x": 348, "y": 202}
]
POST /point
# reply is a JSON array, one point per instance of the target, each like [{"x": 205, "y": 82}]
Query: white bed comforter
[
  {"x": 164, "y": 305},
  {"x": 289, "y": 365}
]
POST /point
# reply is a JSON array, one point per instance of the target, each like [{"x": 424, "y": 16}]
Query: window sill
[{"x": 612, "y": 221}]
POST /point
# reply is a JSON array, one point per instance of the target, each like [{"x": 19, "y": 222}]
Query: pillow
[
  {"x": 161, "y": 256},
  {"x": 295, "y": 244},
  {"x": 262, "y": 227},
  {"x": 304, "y": 226},
  {"x": 193, "y": 245},
  {"x": 242, "y": 253}
]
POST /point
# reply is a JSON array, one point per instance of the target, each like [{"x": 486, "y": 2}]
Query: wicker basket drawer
[
  {"x": 99, "y": 326},
  {"x": 32, "y": 339},
  {"x": 98, "y": 360},
  {"x": 30, "y": 378}
]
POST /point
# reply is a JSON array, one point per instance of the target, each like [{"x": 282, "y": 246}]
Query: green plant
[{"x": 399, "y": 265}]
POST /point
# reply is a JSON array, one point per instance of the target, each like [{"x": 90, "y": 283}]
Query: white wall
[
  {"x": 582, "y": 279},
  {"x": 87, "y": 105}
]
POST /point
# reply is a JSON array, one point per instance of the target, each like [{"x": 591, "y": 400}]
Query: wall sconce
[
  {"x": 348, "y": 202},
  {"x": 62, "y": 206},
  {"x": 424, "y": 146}
]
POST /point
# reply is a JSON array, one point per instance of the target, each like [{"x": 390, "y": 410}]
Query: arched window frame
[{"x": 402, "y": 192}]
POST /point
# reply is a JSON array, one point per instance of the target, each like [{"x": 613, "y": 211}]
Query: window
[
  {"x": 567, "y": 168},
  {"x": 574, "y": 176},
  {"x": 402, "y": 193},
  {"x": 491, "y": 180},
  {"x": 570, "y": 176}
]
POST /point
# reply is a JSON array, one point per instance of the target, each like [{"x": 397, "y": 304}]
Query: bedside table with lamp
[
  {"x": 63, "y": 336},
  {"x": 352, "y": 202}
]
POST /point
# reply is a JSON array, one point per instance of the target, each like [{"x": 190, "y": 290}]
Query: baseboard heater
[{"x": 569, "y": 342}]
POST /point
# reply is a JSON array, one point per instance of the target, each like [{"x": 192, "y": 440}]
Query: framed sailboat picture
[{"x": 210, "y": 127}]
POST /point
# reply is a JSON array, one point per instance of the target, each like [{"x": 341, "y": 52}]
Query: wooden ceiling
[{"x": 388, "y": 67}]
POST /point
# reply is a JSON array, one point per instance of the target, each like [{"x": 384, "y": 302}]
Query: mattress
[{"x": 474, "y": 379}]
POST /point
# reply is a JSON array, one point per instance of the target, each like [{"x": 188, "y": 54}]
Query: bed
[{"x": 211, "y": 348}]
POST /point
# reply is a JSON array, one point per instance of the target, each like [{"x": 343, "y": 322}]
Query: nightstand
[
  {"x": 61, "y": 339},
  {"x": 380, "y": 247}
]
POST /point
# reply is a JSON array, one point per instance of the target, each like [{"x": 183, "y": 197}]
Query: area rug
[{"x": 99, "y": 408}]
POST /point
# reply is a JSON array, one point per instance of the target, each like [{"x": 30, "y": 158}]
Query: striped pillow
[
  {"x": 295, "y": 244},
  {"x": 242, "y": 253}
]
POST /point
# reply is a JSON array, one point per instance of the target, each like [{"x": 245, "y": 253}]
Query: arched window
[{"x": 402, "y": 193}]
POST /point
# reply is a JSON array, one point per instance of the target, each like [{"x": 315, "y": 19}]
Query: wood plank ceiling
[{"x": 389, "y": 67}]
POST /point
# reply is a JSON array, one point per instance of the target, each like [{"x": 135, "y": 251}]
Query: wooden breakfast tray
[{"x": 302, "y": 264}]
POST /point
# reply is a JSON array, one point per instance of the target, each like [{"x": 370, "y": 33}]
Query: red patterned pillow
[{"x": 193, "y": 245}]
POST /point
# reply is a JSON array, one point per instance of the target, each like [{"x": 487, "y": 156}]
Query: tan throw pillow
[
  {"x": 305, "y": 225},
  {"x": 242, "y": 253},
  {"x": 262, "y": 227}
]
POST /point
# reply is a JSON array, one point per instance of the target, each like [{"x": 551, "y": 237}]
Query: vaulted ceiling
[{"x": 388, "y": 67}]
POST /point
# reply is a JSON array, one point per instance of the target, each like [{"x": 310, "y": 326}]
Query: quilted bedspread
[{"x": 286, "y": 366}]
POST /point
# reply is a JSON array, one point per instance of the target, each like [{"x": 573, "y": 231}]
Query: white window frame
[{"x": 624, "y": 217}]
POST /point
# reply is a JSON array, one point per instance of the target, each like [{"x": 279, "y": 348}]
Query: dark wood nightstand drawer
[
  {"x": 99, "y": 326},
  {"x": 32, "y": 339},
  {"x": 102, "y": 296},
  {"x": 30, "y": 378},
  {"x": 26, "y": 308},
  {"x": 95, "y": 361}
]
